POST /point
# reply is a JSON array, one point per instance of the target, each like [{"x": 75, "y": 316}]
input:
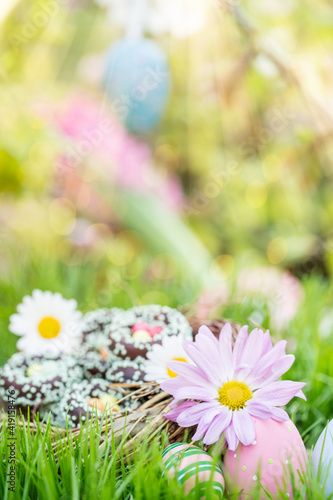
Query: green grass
[
  {"x": 84, "y": 472},
  {"x": 93, "y": 285}
]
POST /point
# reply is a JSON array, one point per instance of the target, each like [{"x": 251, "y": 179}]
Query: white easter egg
[{"x": 322, "y": 458}]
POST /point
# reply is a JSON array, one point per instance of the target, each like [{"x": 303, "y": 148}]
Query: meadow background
[{"x": 237, "y": 175}]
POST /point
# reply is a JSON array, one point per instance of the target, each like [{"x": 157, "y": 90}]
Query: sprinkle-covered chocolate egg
[
  {"x": 272, "y": 462},
  {"x": 125, "y": 371},
  {"x": 36, "y": 379},
  {"x": 133, "y": 333},
  {"x": 322, "y": 458},
  {"x": 94, "y": 354},
  {"x": 195, "y": 469},
  {"x": 88, "y": 399}
]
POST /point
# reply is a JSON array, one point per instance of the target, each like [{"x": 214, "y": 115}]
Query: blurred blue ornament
[
  {"x": 322, "y": 458},
  {"x": 137, "y": 80}
]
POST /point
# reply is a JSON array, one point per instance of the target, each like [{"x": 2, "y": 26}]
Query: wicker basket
[
  {"x": 146, "y": 421},
  {"x": 143, "y": 423}
]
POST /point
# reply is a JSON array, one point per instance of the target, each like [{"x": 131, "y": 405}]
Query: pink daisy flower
[{"x": 228, "y": 386}]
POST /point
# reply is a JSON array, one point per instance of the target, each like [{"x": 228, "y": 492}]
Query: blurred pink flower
[
  {"x": 210, "y": 300},
  {"x": 97, "y": 133},
  {"x": 281, "y": 289}
]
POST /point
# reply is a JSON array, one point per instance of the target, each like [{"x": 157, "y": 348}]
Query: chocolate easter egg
[
  {"x": 195, "y": 469},
  {"x": 322, "y": 458},
  {"x": 277, "y": 454}
]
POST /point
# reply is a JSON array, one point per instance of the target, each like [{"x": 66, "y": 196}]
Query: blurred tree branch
[{"x": 284, "y": 64}]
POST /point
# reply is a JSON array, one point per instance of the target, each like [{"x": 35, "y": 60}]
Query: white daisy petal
[
  {"x": 46, "y": 322},
  {"x": 156, "y": 366}
]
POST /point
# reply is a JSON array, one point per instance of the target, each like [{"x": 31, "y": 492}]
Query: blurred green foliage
[
  {"x": 247, "y": 134},
  {"x": 247, "y": 130}
]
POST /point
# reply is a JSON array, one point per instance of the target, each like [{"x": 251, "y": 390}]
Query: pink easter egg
[
  {"x": 278, "y": 447},
  {"x": 194, "y": 468},
  {"x": 141, "y": 325}
]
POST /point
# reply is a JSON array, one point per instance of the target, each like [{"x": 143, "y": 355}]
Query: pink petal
[
  {"x": 200, "y": 432},
  {"x": 173, "y": 384},
  {"x": 244, "y": 372},
  {"x": 278, "y": 393},
  {"x": 267, "y": 343},
  {"x": 231, "y": 437},
  {"x": 243, "y": 426},
  {"x": 272, "y": 357},
  {"x": 225, "y": 342},
  {"x": 253, "y": 348},
  {"x": 192, "y": 416},
  {"x": 174, "y": 403},
  {"x": 174, "y": 413},
  {"x": 202, "y": 362},
  {"x": 211, "y": 414},
  {"x": 273, "y": 373},
  {"x": 300, "y": 394},
  {"x": 204, "y": 330},
  {"x": 239, "y": 345},
  {"x": 259, "y": 410},
  {"x": 195, "y": 392},
  {"x": 279, "y": 414},
  {"x": 218, "y": 426},
  {"x": 207, "y": 345},
  {"x": 189, "y": 372}
]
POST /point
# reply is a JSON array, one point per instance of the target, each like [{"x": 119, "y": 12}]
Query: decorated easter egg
[
  {"x": 194, "y": 468},
  {"x": 271, "y": 463},
  {"x": 107, "y": 401},
  {"x": 322, "y": 458},
  {"x": 142, "y": 335},
  {"x": 137, "y": 80}
]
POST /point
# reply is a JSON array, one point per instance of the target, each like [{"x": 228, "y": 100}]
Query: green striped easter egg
[{"x": 195, "y": 469}]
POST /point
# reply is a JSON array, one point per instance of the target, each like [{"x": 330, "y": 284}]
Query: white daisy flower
[
  {"x": 46, "y": 322},
  {"x": 156, "y": 366}
]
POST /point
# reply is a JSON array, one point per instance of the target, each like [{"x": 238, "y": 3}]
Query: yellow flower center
[
  {"x": 49, "y": 328},
  {"x": 173, "y": 374},
  {"x": 234, "y": 394}
]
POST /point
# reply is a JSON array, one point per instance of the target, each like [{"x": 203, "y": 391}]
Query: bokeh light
[
  {"x": 167, "y": 155},
  {"x": 256, "y": 194},
  {"x": 273, "y": 167},
  {"x": 123, "y": 248},
  {"x": 222, "y": 267},
  {"x": 277, "y": 250},
  {"x": 155, "y": 297},
  {"x": 62, "y": 216},
  {"x": 163, "y": 267}
]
